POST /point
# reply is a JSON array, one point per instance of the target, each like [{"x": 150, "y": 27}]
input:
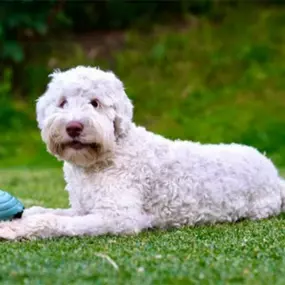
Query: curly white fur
[{"x": 127, "y": 179}]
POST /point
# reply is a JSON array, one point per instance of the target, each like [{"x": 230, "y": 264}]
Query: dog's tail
[{"x": 282, "y": 187}]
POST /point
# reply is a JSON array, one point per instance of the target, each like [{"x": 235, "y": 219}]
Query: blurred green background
[{"x": 205, "y": 70}]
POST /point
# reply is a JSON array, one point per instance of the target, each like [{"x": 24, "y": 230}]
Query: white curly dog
[{"x": 122, "y": 178}]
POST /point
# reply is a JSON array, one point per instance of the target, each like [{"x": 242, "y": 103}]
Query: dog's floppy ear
[
  {"x": 122, "y": 105},
  {"x": 123, "y": 117},
  {"x": 40, "y": 111},
  {"x": 43, "y": 105},
  {"x": 43, "y": 102}
]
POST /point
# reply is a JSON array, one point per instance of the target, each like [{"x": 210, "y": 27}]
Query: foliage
[
  {"x": 249, "y": 252},
  {"x": 19, "y": 19},
  {"x": 25, "y": 20},
  {"x": 205, "y": 82},
  {"x": 118, "y": 14},
  {"x": 199, "y": 80},
  {"x": 10, "y": 117}
]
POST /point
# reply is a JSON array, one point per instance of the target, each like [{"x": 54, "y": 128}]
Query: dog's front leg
[{"x": 49, "y": 225}]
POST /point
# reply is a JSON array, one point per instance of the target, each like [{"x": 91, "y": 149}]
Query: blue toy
[{"x": 10, "y": 207}]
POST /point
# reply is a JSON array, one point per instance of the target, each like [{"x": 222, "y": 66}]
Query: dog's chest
[
  {"x": 93, "y": 191},
  {"x": 85, "y": 193}
]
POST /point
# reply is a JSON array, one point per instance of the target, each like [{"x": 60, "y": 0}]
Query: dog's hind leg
[{"x": 273, "y": 203}]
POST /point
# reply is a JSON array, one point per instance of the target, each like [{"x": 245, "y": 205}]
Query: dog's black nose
[{"x": 74, "y": 129}]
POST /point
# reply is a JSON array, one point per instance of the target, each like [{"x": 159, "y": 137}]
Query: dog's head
[{"x": 83, "y": 113}]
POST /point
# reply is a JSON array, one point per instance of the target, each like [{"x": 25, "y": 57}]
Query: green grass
[{"x": 243, "y": 253}]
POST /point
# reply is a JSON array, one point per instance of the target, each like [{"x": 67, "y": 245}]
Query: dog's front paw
[
  {"x": 8, "y": 231},
  {"x": 31, "y": 227}
]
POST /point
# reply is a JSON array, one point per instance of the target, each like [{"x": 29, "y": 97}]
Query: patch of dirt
[{"x": 101, "y": 43}]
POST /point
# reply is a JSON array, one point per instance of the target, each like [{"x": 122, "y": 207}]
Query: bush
[
  {"x": 26, "y": 19},
  {"x": 18, "y": 20},
  {"x": 10, "y": 117}
]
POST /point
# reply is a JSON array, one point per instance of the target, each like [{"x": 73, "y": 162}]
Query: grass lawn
[{"x": 243, "y": 253}]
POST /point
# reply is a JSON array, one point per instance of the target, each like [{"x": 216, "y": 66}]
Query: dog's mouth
[{"x": 77, "y": 145}]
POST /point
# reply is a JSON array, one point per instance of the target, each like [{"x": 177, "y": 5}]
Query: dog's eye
[
  {"x": 95, "y": 103},
  {"x": 62, "y": 103}
]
